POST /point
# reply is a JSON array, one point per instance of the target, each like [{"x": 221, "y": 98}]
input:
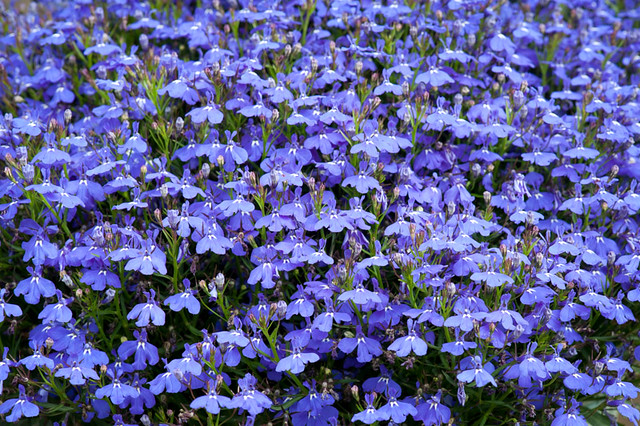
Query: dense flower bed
[{"x": 320, "y": 212}]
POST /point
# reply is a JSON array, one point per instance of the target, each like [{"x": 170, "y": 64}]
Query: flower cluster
[{"x": 316, "y": 212}]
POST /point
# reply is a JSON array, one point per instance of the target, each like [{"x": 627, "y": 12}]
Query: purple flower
[
  {"x": 249, "y": 398},
  {"x": 116, "y": 391},
  {"x": 186, "y": 299},
  {"x": 147, "y": 312},
  {"x": 144, "y": 351},
  {"x": 403, "y": 346},
  {"x": 367, "y": 347},
  {"x": 396, "y": 410},
  {"x": 370, "y": 414},
  {"x": 479, "y": 372},
  {"x": 8, "y": 309},
  {"x": 211, "y": 402},
  {"x": 20, "y": 407},
  {"x": 296, "y": 362}
]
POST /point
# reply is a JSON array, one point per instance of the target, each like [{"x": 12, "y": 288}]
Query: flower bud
[
  {"x": 518, "y": 99},
  {"x": 611, "y": 258},
  {"x": 28, "y": 171},
  {"x": 164, "y": 190},
  {"x": 179, "y": 124},
  {"x": 451, "y": 208},
  {"x": 281, "y": 309},
  {"x": 66, "y": 279},
  {"x": 358, "y": 67},
  {"x": 486, "y": 195},
  {"x": 219, "y": 281},
  {"x": 205, "y": 170},
  {"x": 173, "y": 217},
  {"x": 145, "y": 420},
  {"x": 68, "y": 115},
  {"x": 110, "y": 294},
  {"x": 450, "y": 289}
]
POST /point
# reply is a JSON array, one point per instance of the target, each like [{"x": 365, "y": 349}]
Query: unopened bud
[
  {"x": 179, "y": 124},
  {"x": 358, "y": 67},
  {"x": 219, "y": 281},
  {"x": 143, "y": 41},
  {"x": 486, "y": 195}
]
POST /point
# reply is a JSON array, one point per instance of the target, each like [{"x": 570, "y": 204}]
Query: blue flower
[
  {"x": 20, "y": 407},
  {"x": 367, "y": 347},
  {"x": 396, "y": 410},
  {"x": 296, "y": 362},
  {"x": 212, "y": 401},
  {"x": 370, "y": 414},
  {"x": 144, "y": 351},
  {"x": 249, "y": 398},
  {"x": 186, "y": 299},
  {"x": 116, "y": 391},
  {"x": 147, "y": 312},
  {"x": 403, "y": 346},
  {"x": 480, "y": 373},
  {"x": 8, "y": 309}
]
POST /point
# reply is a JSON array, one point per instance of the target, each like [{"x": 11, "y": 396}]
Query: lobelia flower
[
  {"x": 367, "y": 347},
  {"x": 144, "y": 399},
  {"x": 77, "y": 374},
  {"x": 250, "y": 399},
  {"x": 148, "y": 260},
  {"x": 186, "y": 299},
  {"x": 147, "y": 312},
  {"x": 403, "y": 346},
  {"x": 432, "y": 412},
  {"x": 370, "y": 414},
  {"x": 20, "y": 407},
  {"x": 296, "y": 362},
  {"x": 36, "y": 360},
  {"x": 57, "y": 312},
  {"x": 396, "y": 410},
  {"x": 8, "y": 309},
  {"x": 143, "y": 351},
  {"x": 212, "y": 401},
  {"x": 479, "y": 373},
  {"x": 116, "y": 391}
]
